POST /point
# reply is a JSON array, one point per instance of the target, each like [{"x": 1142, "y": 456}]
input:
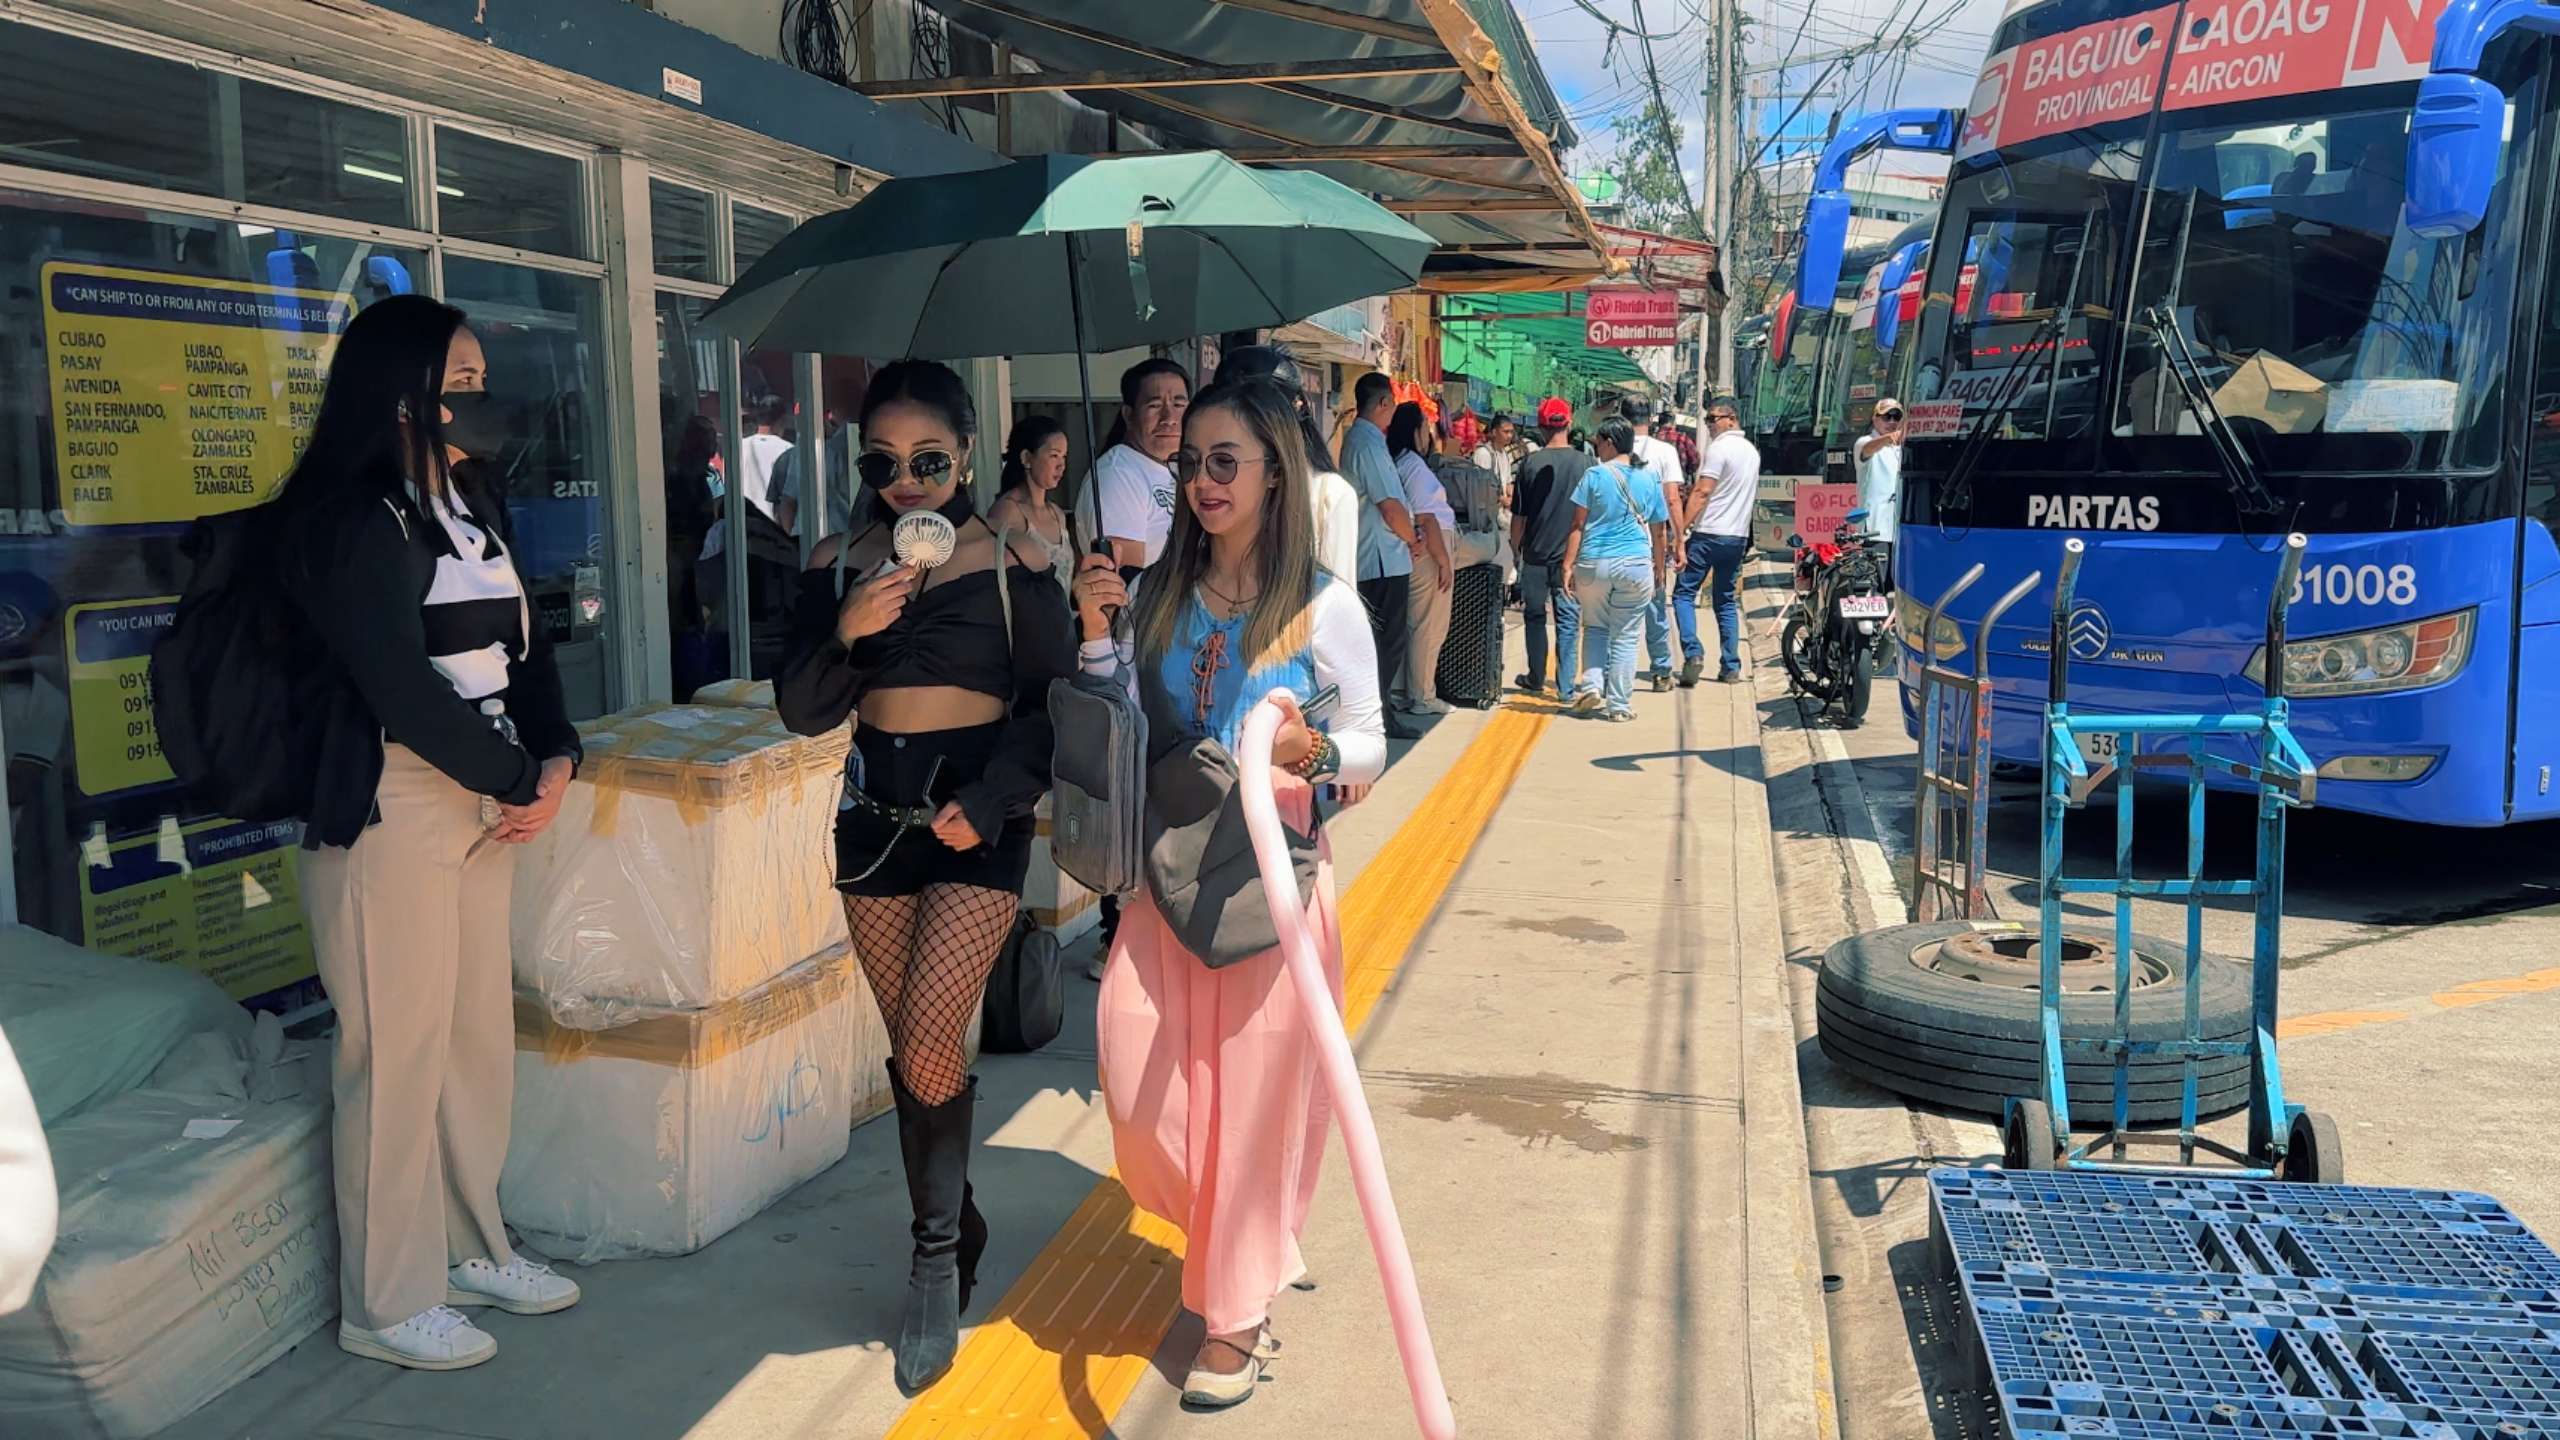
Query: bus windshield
[{"x": 2268, "y": 236}]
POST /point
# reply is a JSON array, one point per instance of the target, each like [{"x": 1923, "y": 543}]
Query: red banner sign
[
  {"x": 2227, "y": 50},
  {"x": 1625, "y": 317}
]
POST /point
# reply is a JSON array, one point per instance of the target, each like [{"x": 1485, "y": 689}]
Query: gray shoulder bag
[{"x": 1200, "y": 867}]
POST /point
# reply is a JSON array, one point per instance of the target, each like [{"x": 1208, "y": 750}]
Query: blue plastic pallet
[{"x": 2197, "y": 1308}]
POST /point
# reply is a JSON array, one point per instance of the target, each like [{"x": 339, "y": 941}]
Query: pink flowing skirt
[{"x": 1218, "y": 1113}]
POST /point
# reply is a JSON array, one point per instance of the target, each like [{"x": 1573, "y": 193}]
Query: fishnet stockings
[{"x": 927, "y": 957}]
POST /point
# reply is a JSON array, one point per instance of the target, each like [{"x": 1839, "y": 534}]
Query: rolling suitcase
[{"x": 1471, "y": 661}]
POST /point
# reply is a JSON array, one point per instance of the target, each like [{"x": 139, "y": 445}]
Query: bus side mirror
[
  {"x": 1826, "y": 235},
  {"x": 2453, "y": 154}
]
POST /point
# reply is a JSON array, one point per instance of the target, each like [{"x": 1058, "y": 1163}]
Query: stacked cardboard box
[{"x": 693, "y": 1038}]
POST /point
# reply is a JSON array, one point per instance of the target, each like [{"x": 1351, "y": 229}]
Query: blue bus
[{"x": 2200, "y": 281}]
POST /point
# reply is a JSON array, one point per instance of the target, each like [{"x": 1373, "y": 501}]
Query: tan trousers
[
  {"x": 1427, "y": 612},
  {"x": 411, "y": 929}
]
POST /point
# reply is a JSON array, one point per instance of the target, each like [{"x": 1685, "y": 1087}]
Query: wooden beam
[
  {"x": 1515, "y": 205},
  {"x": 1511, "y": 247},
  {"x": 1162, "y": 101},
  {"x": 938, "y": 86},
  {"x": 1333, "y": 19},
  {"x": 1333, "y": 99},
  {"x": 1366, "y": 154},
  {"x": 1462, "y": 37}
]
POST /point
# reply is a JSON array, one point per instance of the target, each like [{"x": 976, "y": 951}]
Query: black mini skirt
[{"x": 874, "y": 858}]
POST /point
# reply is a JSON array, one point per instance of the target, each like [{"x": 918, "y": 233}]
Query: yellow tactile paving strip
[{"x": 1068, "y": 1344}]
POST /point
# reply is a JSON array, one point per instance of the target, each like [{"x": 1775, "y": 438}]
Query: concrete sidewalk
[{"x": 1584, "y": 1078}]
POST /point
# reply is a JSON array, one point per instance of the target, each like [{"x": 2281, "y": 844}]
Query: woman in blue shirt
[
  {"x": 1614, "y": 560},
  {"x": 1209, "y": 1076}
]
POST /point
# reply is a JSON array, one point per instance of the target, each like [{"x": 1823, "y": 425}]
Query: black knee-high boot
[{"x": 933, "y": 1140}]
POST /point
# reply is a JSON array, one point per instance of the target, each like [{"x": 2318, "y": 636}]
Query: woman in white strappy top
[{"x": 1035, "y": 463}]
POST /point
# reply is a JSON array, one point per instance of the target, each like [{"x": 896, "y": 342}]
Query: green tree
[{"x": 1647, "y": 164}]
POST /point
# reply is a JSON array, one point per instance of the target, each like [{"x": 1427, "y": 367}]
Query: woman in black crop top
[{"x": 935, "y": 831}]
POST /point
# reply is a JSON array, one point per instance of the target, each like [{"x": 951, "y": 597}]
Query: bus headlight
[
  {"x": 1911, "y": 618},
  {"x": 2367, "y": 662}
]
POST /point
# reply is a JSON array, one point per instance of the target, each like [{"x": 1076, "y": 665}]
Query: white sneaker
[
  {"x": 437, "y": 1339},
  {"x": 1587, "y": 702},
  {"x": 520, "y": 1287},
  {"x": 1434, "y": 706}
]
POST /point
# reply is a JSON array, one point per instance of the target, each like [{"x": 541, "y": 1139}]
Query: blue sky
[{"x": 1597, "y": 79}]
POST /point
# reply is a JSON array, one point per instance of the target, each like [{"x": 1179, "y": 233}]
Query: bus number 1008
[{"x": 2356, "y": 585}]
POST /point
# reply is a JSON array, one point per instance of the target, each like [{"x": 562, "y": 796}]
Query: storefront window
[
  {"x": 545, "y": 338},
  {"x": 136, "y": 394},
  {"x": 506, "y": 194},
  {"x": 769, "y": 426},
  {"x": 691, "y": 408},
  {"x": 200, "y": 132},
  {"x": 680, "y": 232},
  {"x": 755, "y": 232}
]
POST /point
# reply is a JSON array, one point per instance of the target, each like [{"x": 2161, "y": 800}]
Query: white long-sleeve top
[
  {"x": 29, "y": 1205},
  {"x": 1345, "y": 655}
]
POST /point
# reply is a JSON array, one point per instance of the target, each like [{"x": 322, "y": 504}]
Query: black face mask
[{"x": 482, "y": 424}]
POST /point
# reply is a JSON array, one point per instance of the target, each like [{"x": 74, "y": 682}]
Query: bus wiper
[
  {"x": 2230, "y": 452},
  {"x": 1957, "y": 492}
]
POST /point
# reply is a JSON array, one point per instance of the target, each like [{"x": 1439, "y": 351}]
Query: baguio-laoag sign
[{"x": 1624, "y": 317}]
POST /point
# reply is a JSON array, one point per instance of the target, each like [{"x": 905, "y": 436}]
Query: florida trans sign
[{"x": 1625, "y": 317}]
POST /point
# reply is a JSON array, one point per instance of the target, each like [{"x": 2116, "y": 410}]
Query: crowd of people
[
  {"x": 1615, "y": 540},
  {"x": 1224, "y": 551}
]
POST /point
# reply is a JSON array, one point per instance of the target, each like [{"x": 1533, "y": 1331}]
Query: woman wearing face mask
[
  {"x": 1035, "y": 462},
  {"x": 935, "y": 832},
  {"x": 446, "y": 746},
  {"x": 1210, "y": 1075}
]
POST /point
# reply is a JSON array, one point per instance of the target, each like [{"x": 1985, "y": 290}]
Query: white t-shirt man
[
  {"x": 1136, "y": 499},
  {"x": 1880, "y": 480},
  {"x": 757, "y": 456},
  {"x": 1660, "y": 459},
  {"x": 1733, "y": 463}
]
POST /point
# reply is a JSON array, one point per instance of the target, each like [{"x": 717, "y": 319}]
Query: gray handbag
[
  {"x": 1201, "y": 869},
  {"x": 1098, "y": 783}
]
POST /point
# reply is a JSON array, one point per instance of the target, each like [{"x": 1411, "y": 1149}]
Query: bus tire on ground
[{"x": 1945, "y": 1013}]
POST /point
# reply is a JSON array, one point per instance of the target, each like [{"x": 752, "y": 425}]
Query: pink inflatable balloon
[{"x": 1342, "y": 1078}]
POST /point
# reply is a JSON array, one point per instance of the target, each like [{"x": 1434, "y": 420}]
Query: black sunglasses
[
  {"x": 880, "y": 470},
  {"x": 1219, "y": 465}
]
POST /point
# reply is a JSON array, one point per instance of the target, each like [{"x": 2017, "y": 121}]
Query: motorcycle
[{"x": 1840, "y": 624}]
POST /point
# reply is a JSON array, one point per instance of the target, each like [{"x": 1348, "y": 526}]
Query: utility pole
[{"x": 1724, "y": 55}]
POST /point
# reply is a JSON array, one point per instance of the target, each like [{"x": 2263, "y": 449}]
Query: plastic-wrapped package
[
  {"x": 88, "y": 1026},
  {"x": 736, "y": 694},
  {"x": 184, "y": 1264},
  {"x": 663, "y": 1134},
  {"x": 693, "y": 861}
]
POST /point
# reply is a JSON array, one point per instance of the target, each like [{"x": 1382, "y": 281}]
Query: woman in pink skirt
[{"x": 1210, "y": 1076}]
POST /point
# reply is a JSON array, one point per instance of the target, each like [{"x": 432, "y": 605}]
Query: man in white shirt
[
  {"x": 1130, "y": 495},
  {"x": 1498, "y": 454},
  {"x": 1717, "y": 518},
  {"x": 1880, "y": 479},
  {"x": 758, "y": 454},
  {"x": 1387, "y": 534},
  {"x": 1658, "y": 459}
]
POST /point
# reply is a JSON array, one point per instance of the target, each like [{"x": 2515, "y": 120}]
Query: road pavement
[{"x": 2421, "y": 984}]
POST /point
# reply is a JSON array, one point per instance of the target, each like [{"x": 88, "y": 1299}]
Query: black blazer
[{"x": 361, "y": 578}]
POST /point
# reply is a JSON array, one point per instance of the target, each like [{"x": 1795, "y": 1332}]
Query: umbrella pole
[{"x": 1084, "y": 389}]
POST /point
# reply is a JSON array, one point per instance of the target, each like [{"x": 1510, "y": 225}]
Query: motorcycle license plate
[{"x": 1865, "y": 607}]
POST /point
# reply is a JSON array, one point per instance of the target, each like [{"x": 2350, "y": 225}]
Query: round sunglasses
[
  {"x": 880, "y": 470},
  {"x": 1219, "y": 465}
]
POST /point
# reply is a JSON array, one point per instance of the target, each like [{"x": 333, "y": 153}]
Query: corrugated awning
[{"x": 1437, "y": 107}]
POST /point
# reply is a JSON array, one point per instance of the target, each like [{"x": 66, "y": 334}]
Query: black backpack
[{"x": 238, "y": 686}]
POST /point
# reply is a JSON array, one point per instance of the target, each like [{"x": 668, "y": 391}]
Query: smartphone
[{"x": 1320, "y": 706}]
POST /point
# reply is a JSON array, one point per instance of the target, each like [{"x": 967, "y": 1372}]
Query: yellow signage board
[
  {"x": 115, "y": 737},
  {"x": 176, "y": 396},
  {"x": 220, "y": 897}
]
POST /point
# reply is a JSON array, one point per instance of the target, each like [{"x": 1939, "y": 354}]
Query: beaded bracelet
[{"x": 1324, "y": 758}]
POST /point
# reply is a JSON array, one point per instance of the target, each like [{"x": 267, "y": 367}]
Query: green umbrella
[{"x": 1062, "y": 254}]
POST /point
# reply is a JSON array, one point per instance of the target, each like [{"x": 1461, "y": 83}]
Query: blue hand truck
[{"x": 2286, "y": 1141}]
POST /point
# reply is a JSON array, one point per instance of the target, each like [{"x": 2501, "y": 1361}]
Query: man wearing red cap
[{"x": 1541, "y": 523}]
